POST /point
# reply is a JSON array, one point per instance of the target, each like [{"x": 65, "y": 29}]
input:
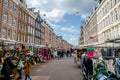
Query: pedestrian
[
  {"x": 27, "y": 69},
  {"x": 7, "y": 67},
  {"x": 67, "y": 54},
  {"x": 19, "y": 68},
  {"x": 83, "y": 56}
]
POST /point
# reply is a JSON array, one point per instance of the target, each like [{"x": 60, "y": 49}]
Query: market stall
[{"x": 107, "y": 53}]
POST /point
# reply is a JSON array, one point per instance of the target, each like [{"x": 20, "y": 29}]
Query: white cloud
[
  {"x": 56, "y": 9},
  {"x": 55, "y": 15},
  {"x": 53, "y": 25},
  {"x": 70, "y": 29}
]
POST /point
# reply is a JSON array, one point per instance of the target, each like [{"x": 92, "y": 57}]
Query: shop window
[
  {"x": 3, "y": 32},
  {"x": 5, "y": 4},
  {"x": 10, "y": 19},
  {"x": 5, "y": 14},
  {"x": 11, "y": 5}
]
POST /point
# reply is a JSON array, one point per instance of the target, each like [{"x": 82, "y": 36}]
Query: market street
[{"x": 63, "y": 69}]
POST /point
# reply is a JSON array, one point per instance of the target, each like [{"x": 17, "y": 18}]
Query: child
[{"x": 27, "y": 68}]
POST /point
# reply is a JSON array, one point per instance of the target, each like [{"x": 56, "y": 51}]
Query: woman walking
[{"x": 27, "y": 68}]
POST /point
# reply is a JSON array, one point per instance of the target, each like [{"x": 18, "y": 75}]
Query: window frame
[
  {"x": 13, "y": 35},
  {"x": 5, "y": 16},
  {"x": 14, "y": 22},
  {"x": 5, "y": 3},
  {"x": 4, "y": 32},
  {"x": 11, "y": 5},
  {"x": 15, "y": 9},
  {"x": 10, "y": 20}
]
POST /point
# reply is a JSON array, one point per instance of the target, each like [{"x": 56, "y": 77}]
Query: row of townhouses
[
  {"x": 22, "y": 25},
  {"x": 103, "y": 25}
]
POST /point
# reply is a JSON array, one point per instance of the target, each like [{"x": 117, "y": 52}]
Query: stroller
[{"x": 100, "y": 71}]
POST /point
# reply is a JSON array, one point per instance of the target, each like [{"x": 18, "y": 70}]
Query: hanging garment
[
  {"x": 90, "y": 54},
  {"x": 117, "y": 67}
]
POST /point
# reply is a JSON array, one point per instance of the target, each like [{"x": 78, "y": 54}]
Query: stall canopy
[
  {"x": 6, "y": 41},
  {"x": 113, "y": 43},
  {"x": 39, "y": 46}
]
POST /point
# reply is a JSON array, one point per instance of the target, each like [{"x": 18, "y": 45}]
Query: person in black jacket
[{"x": 7, "y": 67}]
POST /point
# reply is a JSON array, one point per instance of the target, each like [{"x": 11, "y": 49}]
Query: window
[
  {"x": 5, "y": 16},
  {"x": 23, "y": 17},
  {"x": 11, "y": 5},
  {"x": 33, "y": 22},
  {"x": 29, "y": 19},
  {"x": 13, "y": 35},
  {"x": 119, "y": 29},
  {"x": 33, "y": 31},
  {"x": 28, "y": 39},
  {"x": 28, "y": 29},
  {"x": 10, "y": 19},
  {"x": 116, "y": 15},
  {"x": 25, "y": 27},
  {"x": 15, "y": 9},
  {"x": 22, "y": 27},
  {"x": 14, "y": 22},
  {"x": 3, "y": 32},
  {"x": 20, "y": 13},
  {"x": 18, "y": 36},
  {"x": 24, "y": 38},
  {"x": 19, "y": 25},
  {"x": 36, "y": 24},
  {"x": 5, "y": 4},
  {"x": 119, "y": 12},
  {"x": 9, "y": 34}
]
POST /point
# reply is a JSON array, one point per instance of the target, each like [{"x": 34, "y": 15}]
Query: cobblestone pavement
[{"x": 62, "y": 69}]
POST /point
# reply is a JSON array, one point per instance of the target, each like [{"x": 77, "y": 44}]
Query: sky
[{"x": 64, "y": 16}]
